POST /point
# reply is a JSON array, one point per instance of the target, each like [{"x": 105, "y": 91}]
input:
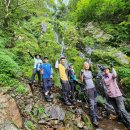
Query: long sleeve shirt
[
  {"x": 47, "y": 70},
  {"x": 37, "y": 62},
  {"x": 111, "y": 84}
]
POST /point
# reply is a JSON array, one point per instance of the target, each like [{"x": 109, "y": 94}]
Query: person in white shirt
[{"x": 36, "y": 68}]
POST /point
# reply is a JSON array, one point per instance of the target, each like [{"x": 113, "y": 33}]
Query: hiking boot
[
  {"x": 51, "y": 96},
  {"x": 73, "y": 101},
  {"x": 99, "y": 117},
  {"x": 95, "y": 122},
  {"x": 68, "y": 103},
  {"x": 48, "y": 99}
]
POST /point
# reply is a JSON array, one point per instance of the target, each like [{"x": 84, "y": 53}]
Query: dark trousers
[
  {"x": 73, "y": 89},
  {"x": 92, "y": 94},
  {"x": 119, "y": 107},
  {"x": 66, "y": 90},
  {"x": 34, "y": 74},
  {"x": 47, "y": 84}
]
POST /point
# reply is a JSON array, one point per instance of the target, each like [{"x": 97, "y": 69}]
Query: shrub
[
  {"x": 124, "y": 72},
  {"x": 6, "y": 81},
  {"x": 8, "y": 65},
  {"x": 21, "y": 89},
  {"x": 30, "y": 125}
]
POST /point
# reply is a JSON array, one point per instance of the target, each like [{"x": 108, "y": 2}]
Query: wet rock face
[
  {"x": 97, "y": 33},
  {"x": 122, "y": 57},
  {"x": 10, "y": 117}
]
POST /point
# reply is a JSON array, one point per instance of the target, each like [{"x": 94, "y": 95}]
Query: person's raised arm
[
  {"x": 30, "y": 54},
  {"x": 114, "y": 73},
  {"x": 51, "y": 72},
  {"x": 57, "y": 64}
]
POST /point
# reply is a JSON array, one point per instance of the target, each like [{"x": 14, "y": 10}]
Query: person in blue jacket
[{"x": 46, "y": 71}]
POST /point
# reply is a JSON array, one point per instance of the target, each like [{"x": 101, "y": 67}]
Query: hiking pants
[
  {"x": 119, "y": 107},
  {"x": 73, "y": 89},
  {"x": 66, "y": 90},
  {"x": 33, "y": 76},
  {"x": 92, "y": 94},
  {"x": 47, "y": 84}
]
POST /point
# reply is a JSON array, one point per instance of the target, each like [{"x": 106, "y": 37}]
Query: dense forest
[{"x": 82, "y": 30}]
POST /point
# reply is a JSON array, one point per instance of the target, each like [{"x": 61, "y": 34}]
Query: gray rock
[
  {"x": 79, "y": 111},
  {"x": 88, "y": 50},
  {"x": 35, "y": 112},
  {"x": 81, "y": 55},
  {"x": 55, "y": 112},
  {"x": 99, "y": 129},
  {"x": 122, "y": 57},
  {"x": 96, "y": 32},
  {"x": 9, "y": 112},
  {"x": 28, "y": 108},
  {"x": 8, "y": 126},
  {"x": 44, "y": 115}
]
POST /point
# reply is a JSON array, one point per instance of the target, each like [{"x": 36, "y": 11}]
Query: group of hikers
[{"x": 68, "y": 86}]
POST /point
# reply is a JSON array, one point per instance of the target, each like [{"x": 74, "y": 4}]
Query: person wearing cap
[
  {"x": 115, "y": 96},
  {"x": 87, "y": 79},
  {"x": 36, "y": 70},
  {"x": 72, "y": 81},
  {"x": 47, "y": 75},
  {"x": 66, "y": 89}
]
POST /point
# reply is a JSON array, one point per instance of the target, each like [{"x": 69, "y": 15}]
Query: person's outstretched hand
[
  {"x": 51, "y": 77},
  {"x": 112, "y": 65}
]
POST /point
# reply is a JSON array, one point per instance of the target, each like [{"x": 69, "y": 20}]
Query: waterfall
[
  {"x": 88, "y": 50},
  {"x": 62, "y": 50},
  {"x": 66, "y": 2},
  {"x": 56, "y": 37}
]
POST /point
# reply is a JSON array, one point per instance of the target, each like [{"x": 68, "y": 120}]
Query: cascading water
[{"x": 56, "y": 37}]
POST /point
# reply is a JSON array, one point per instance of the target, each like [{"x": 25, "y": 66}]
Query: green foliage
[
  {"x": 6, "y": 81},
  {"x": 101, "y": 100},
  {"x": 99, "y": 9},
  {"x": 88, "y": 40},
  {"x": 30, "y": 125},
  {"x": 124, "y": 72},
  {"x": 104, "y": 57},
  {"x": 8, "y": 65},
  {"x": 124, "y": 75},
  {"x": 41, "y": 110},
  {"x": 56, "y": 78},
  {"x": 73, "y": 57},
  {"x": 128, "y": 103},
  {"x": 87, "y": 121},
  {"x": 21, "y": 89}
]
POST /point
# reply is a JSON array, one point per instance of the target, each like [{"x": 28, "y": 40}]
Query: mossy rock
[
  {"x": 104, "y": 56},
  {"x": 87, "y": 121}
]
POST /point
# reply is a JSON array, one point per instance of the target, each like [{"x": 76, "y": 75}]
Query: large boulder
[
  {"x": 55, "y": 111},
  {"x": 10, "y": 118}
]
